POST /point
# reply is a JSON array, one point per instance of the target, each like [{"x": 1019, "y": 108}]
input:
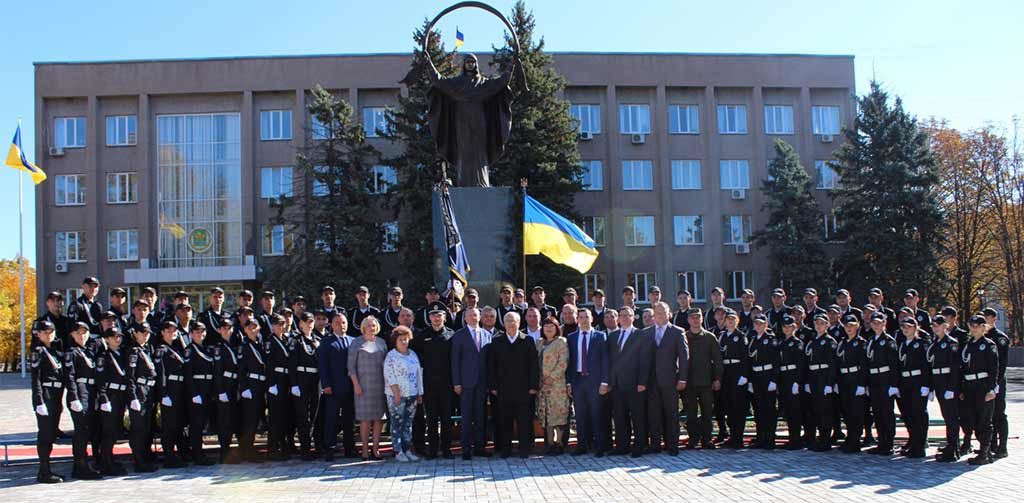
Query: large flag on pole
[
  {"x": 16, "y": 159},
  {"x": 554, "y": 236},
  {"x": 458, "y": 263}
]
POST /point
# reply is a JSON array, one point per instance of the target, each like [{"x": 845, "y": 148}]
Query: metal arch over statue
[{"x": 470, "y": 116}]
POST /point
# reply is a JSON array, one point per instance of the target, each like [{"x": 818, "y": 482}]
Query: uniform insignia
[
  {"x": 735, "y": 338},
  {"x": 855, "y": 343},
  {"x": 916, "y": 344},
  {"x": 982, "y": 346},
  {"x": 943, "y": 345},
  {"x": 1003, "y": 342},
  {"x": 823, "y": 341},
  {"x": 881, "y": 344}
]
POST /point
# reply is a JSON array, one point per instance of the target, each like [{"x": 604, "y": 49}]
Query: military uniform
[
  {"x": 88, "y": 312},
  {"x": 944, "y": 359},
  {"x": 80, "y": 381},
  {"x": 821, "y": 376},
  {"x": 113, "y": 394},
  {"x": 142, "y": 377},
  {"x": 305, "y": 378},
  {"x": 389, "y": 320},
  {"x": 1000, "y": 424},
  {"x": 980, "y": 359},
  {"x": 736, "y": 369},
  {"x": 199, "y": 371},
  {"x": 434, "y": 350},
  {"x": 852, "y": 364},
  {"x": 915, "y": 386},
  {"x": 791, "y": 378},
  {"x": 279, "y": 407},
  {"x": 883, "y": 378},
  {"x": 252, "y": 371},
  {"x": 225, "y": 384},
  {"x": 62, "y": 341},
  {"x": 764, "y": 378},
  {"x": 173, "y": 408},
  {"x": 357, "y": 315},
  {"x": 47, "y": 389}
]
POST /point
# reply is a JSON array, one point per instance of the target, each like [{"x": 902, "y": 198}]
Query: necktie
[
  {"x": 583, "y": 354},
  {"x": 476, "y": 338},
  {"x": 625, "y": 335},
  {"x": 658, "y": 335}
]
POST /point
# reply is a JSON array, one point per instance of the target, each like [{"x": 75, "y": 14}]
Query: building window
[
  {"x": 591, "y": 282},
  {"x": 122, "y": 245},
  {"x": 735, "y": 174},
  {"x": 69, "y": 190},
  {"x": 318, "y": 130},
  {"x": 276, "y": 182},
  {"x": 69, "y": 132},
  {"x": 121, "y": 130},
  {"x": 72, "y": 294},
  {"x": 322, "y": 177},
  {"x": 736, "y": 282},
  {"x": 732, "y": 119},
  {"x": 686, "y": 174},
  {"x": 831, "y": 223},
  {"x": 689, "y": 229},
  {"x": 595, "y": 228},
  {"x": 778, "y": 119},
  {"x": 381, "y": 179},
  {"x": 592, "y": 177},
  {"x": 641, "y": 281},
  {"x": 736, "y": 229},
  {"x": 683, "y": 119},
  {"x": 825, "y": 120},
  {"x": 588, "y": 116},
  {"x": 122, "y": 188},
  {"x": 639, "y": 231},
  {"x": 389, "y": 237},
  {"x": 634, "y": 119},
  {"x": 375, "y": 121},
  {"x": 693, "y": 282},
  {"x": 637, "y": 175},
  {"x": 276, "y": 125},
  {"x": 71, "y": 246},
  {"x": 827, "y": 176},
  {"x": 276, "y": 240}
]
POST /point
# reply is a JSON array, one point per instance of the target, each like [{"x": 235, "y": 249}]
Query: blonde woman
[{"x": 366, "y": 369}]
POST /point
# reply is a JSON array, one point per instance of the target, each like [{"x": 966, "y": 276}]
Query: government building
[{"x": 162, "y": 172}]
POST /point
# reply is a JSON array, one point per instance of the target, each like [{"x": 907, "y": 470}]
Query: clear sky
[{"x": 961, "y": 61}]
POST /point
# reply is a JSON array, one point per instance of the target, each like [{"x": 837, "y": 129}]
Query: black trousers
[
  {"x": 978, "y": 415},
  {"x": 663, "y": 416},
  {"x": 172, "y": 424},
  {"x": 227, "y": 423},
  {"x": 280, "y": 411},
  {"x": 251, "y": 410},
  {"x": 1000, "y": 424},
  {"x": 48, "y": 430},
  {"x": 140, "y": 435},
  {"x": 305, "y": 406},
  {"x": 198, "y": 414},
  {"x": 915, "y": 416},
  {"x": 820, "y": 431},
  {"x": 509, "y": 410},
  {"x": 339, "y": 413},
  {"x": 791, "y": 408},
  {"x": 83, "y": 422},
  {"x": 630, "y": 416},
  {"x": 766, "y": 416},
  {"x": 885, "y": 416},
  {"x": 438, "y": 401},
  {"x": 113, "y": 425},
  {"x": 719, "y": 411},
  {"x": 950, "y": 410},
  {"x": 700, "y": 402},
  {"x": 734, "y": 405},
  {"x": 853, "y": 407},
  {"x": 419, "y": 428}
]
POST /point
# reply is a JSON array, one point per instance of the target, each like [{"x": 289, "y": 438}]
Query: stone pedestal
[{"x": 484, "y": 216}]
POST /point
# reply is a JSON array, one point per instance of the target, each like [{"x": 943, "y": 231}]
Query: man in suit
[
  {"x": 332, "y": 360},
  {"x": 630, "y": 357},
  {"x": 668, "y": 378},
  {"x": 469, "y": 380},
  {"x": 587, "y": 375},
  {"x": 513, "y": 377}
]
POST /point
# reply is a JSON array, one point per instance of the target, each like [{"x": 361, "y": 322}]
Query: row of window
[
  {"x": 69, "y": 132},
  {"x": 635, "y": 118},
  {"x": 693, "y": 281},
  {"x": 686, "y": 174},
  {"x": 688, "y": 230},
  {"x": 278, "y": 181}
]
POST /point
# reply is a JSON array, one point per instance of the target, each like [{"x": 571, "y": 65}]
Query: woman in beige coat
[{"x": 553, "y": 399}]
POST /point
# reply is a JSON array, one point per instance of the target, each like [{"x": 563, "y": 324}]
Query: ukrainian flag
[
  {"x": 552, "y": 235},
  {"x": 16, "y": 159},
  {"x": 459, "y": 38}
]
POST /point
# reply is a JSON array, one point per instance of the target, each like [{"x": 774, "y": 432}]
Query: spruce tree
[
  {"x": 793, "y": 233},
  {"x": 887, "y": 206},
  {"x": 334, "y": 239}
]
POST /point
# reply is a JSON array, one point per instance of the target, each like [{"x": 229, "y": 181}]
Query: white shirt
[
  {"x": 626, "y": 332},
  {"x": 535, "y": 334},
  {"x": 584, "y": 336}
]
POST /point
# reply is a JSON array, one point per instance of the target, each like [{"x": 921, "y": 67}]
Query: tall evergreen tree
[
  {"x": 793, "y": 233},
  {"x": 887, "y": 205},
  {"x": 333, "y": 238}
]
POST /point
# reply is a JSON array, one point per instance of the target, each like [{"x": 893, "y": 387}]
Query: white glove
[
  {"x": 246, "y": 394},
  {"x": 925, "y": 391},
  {"x": 272, "y": 390},
  {"x": 796, "y": 389},
  {"x": 948, "y": 395},
  {"x": 828, "y": 390},
  {"x": 860, "y": 391},
  {"x": 76, "y": 405},
  {"x": 41, "y": 410},
  {"x": 223, "y": 397},
  {"x": 807, "y": 388},
  {"x": 166, "y": 401},
  {"x": 835, "y": 387},
  {"x": 867, "y": 392},
  {"x": 105, "y": 407},
  {"x": 296, "y": 391},
  {"x": 742, "y": 381},
  {"x": 772, "y": 386},
  {"x": 135, "y": 405},
  {"x": 198, "y": 400},
  {"x": 750, "y": 387},
  {"x": 894, "y": 391}
]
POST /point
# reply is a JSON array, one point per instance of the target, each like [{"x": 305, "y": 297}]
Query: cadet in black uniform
[
  {"x": 777, "y": 311},
  {"x": 279, "y": 406},
  {"x": 327, "y": 298},
  {"x": 212, "y": 316},
  {"x": 171, "y": 387},
  {"x": 915, "y": 386},
  {"x": 199, "y": 369},
  {"x": 1000, "y": 424},
  {"x": 821, "y": 376},
  {"x": 883, "y": 378},
  {"x": 142, "y": 397},
  {"x": 252, "y": 382},
  {"x": 265, "y": 312},
  {"x": 764, "y": 378},
  {"x": 54, "y": 314},
  {"x": 361, "y": 311},
  {"x": 80, "y": 381},
  {"x": 505, "y": 304},
  {"x": 389, "y": 315},
  {"x": 736, "y": 362},
  {"x": 433, "y": 345},
  {"x": 112, "y": 396},
  {"x": 305, "y": 383},
  {"x": 944, "y": 360},
  {"x": 120, "y": 310},
  {"x": 924, "y": 320},
  {"x": 47, "y": 389},
  {"x": 791, "y": 376},
  {"x": 980, "y": 359},
  {"x": 422, "y": 315},
  {"x": 852, "y": 361},
  {"x": 86, "y": 308},
  {"x": 538, "y": 295},
  {"x": 225, "y": 384}
]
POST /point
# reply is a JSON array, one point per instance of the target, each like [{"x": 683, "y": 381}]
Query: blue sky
[{"x": 955, "y": 60}]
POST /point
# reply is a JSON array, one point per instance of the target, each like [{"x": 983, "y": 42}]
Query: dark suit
[
  {"x": 332, "y": 362},
  {"x": 513, "y": 371},
  {"x": 670, "y": 366},
  {"x": 586, "y": 380},
  {"x": 469, "y": 370},
  {"x": 630, "y": 364}
]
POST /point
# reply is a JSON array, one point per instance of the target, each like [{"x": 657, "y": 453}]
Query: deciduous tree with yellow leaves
[{"x": 10, "y": 318}]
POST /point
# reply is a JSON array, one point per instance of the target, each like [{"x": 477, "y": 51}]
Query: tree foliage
[{"x": 10, "y": 309}]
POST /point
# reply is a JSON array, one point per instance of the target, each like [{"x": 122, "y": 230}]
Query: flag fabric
[
  {"x": 16, "y": 159},
  {"x": 458, "y": 262},
  {"x": 176, "y": 230},
  {"x": 552, "y": 235},
  {"x": 459, "y": 38}
]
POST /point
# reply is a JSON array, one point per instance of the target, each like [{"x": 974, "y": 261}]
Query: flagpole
[
  {"x": 523, "y": 183},
  {"x": 21, "y": 259}
]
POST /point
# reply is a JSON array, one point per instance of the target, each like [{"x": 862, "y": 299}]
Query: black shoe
[
  {"x": 881, "y": 451},
  {"x": 113, "y": 470},
  {"x": 869, "y": 441},
  {"x": 447, "y": 455},
  {"x": 916, "y": 454},
  {"x": 579, "y": 451},
  {"x": 49, "y": 478},
  {"x": 599, "y": 454},
  {"x": 792, "y": 445},
  {"x": 673, "y": 452},
  {"x": 966, "y": 446},
  {"x": 204, "y": 461},
  {"x": 708, "y": 445},
  {"x": 1001, "y": 453},
  {"x": 466, "y": 456},
  {"x": 524, "y": 454},
  {"x": 143, "y": 467},
  {"x": 429, "y": 456},
  {"x": 481, "y": 453},
  {"x": 174, "y": 462},
  {"x": 691, "y": 446},
  {"x": 505, "y": 453},
  {"x": 947, "y": 457},
  {"x": 980, "y": 459}
]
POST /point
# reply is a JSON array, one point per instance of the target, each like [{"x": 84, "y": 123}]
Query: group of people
[{"x": 504, "y": 370}]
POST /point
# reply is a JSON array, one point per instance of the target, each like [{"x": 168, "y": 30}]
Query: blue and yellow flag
[
  {"x": 459, "y": 38},
  {"x": 552, "y": 235},
  {"x": 16, "y": 159}
]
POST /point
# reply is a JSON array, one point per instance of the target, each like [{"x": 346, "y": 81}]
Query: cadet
[
  {"x": 171, "y": 384},
  {"x": 142, "y": 393},
  {"x": 80, "y": 380},
  {"x": 279, "y": 407},
  {"x": 112, "y": 390},
  {"x": 86, "y": 308},
  {"x": 266, "y": 311},
  {"x": 944, "y": 360},
  {"x": 915, "y": 386},
  {"x": 199, "y": 369},
  {"x": 764, "y": 364},
  {"x": 883, "y": 360},
  {"x": 980, "y": 359},
  {"x": 735, "y": 359},
  {"x": 213, "y": 315},
  {"x": 1000, "y": 425},
  {"x": 821, "y": 375},
  {"x": 47, "y": 389},
  {"x": 423, "y": 314},
  {"x": 305, "y": 382},
  {"x": 61, "y": 323},
  {"x": 362, "y": 310},
  {"x": 225, "y": 384},
  {"x": 252, "y": 372},
  {"x": 389, "y": 315},
  {"x": 853, "y": 381},
  {"x": 791, "y": 375}
]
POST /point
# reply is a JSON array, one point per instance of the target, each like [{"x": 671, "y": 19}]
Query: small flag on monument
[{"x": 459, "y": 38}]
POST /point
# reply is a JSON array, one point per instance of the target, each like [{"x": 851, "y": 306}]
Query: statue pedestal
[{"x": 484, "y": 216}]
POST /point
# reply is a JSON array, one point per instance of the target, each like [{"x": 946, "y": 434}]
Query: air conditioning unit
[
  {"x": 586, "y": 136},
  {"x": 56, "y": 151},
  {"x": 826, "y": 138},
  {"x": 739, "y": 194},
  {"x": 638, "y": 139},
  {"x": 61, "y": 267},
  {"x": 743, "y": 248}
]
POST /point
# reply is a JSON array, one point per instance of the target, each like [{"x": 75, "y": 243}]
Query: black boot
[
  {"x": 45, "y": 476},
  {"x": 983, "y": 457},
  {"x": 82, "y": 470}
]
